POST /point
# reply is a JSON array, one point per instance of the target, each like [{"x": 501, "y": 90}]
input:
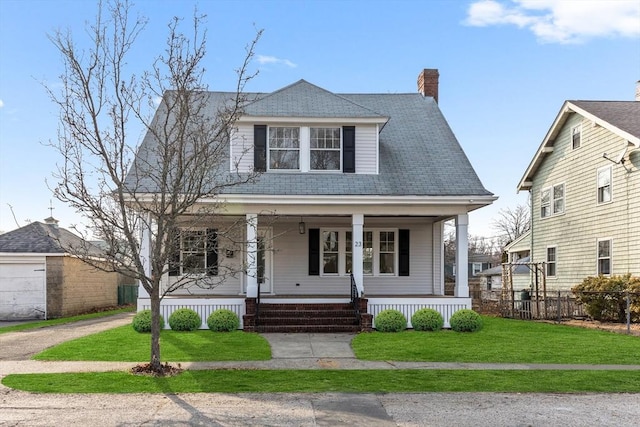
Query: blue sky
[{"x": 505, "y": 68}]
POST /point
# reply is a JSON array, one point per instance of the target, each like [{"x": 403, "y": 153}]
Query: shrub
[
  {"x": 142, "y": 321},
  {"x": 390, "y": 321},
  {"x": 605, "y": 298},
  {"x": 465, "y": 320},
  {"x": 427, "y": 319},
  {"x": 223, "y": 320},
  {"x": 184, "y": 319}
]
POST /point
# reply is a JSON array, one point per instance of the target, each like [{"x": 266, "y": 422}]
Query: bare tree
[
  {"x": 124, "y": 189},
  {"x": 512, "y": 223}
]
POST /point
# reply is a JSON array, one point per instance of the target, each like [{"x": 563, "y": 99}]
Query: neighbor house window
[
  {"x": 604, "y": 257},
  {"x": 552, "y": 201},
  {"x": 284, "y": 148},
  {"x": 379, "y": 252},
  {"x": 604, "y": 184},
  {"x": 558, "y": 199},
  {"x": 476, "y": 268},
  {"x": 551, "y": 262},
  {"x": 324, "y": 145},
  {"x": 545, "y": 202},
  {"x": 576, "y": 136}
]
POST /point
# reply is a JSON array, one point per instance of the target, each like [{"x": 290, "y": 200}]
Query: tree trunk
[{"x": 155, "y": 364}]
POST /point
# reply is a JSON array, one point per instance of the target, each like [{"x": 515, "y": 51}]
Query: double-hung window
[
  {"x": 604, "y": 184},
  {"x": 330, "y": 252},
  {"x": 387, "y": 254},
  {"x": 551, "y": 261},
  {"x": 558, "y": 199},
  {"x": 284, "y": 148},
  {"x": 198, "y": 253},
  {"x": 576, "y": 136},
  {"x": 325, "y": 149},
  {"x": 545, "y": 202},
  {"x": 552, "y": 201},
  {"x": 604, "y": 257}
]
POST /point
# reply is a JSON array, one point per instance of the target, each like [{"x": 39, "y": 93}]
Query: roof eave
[{"x": 288, "y": 119}]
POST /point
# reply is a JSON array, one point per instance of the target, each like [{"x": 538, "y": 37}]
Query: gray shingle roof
[
  {"x": 303, "y": 99},
  {"x": 625, "y": 115},
  {"x": 41, "y": 238},
  {"x": 419, "y": 154}
]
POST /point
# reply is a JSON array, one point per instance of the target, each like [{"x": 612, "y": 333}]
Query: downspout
[{"x": 531, "y": 228}]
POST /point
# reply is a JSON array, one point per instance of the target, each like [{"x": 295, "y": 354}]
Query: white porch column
[
  {"x": 145, "y": 254},
  {"x": 252, "y": 256},
  {"x": 437, "y": 229},
  {"x": 462, "y": 257},
  {"x": 357, "y": 223}
]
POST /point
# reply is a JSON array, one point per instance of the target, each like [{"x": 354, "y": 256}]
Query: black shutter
[
  {"x": 260, "y": 148},
  {"x": 314, "y": 252},
  {"x": 212, "y": 252},
  {"x": 174, "y": 256},
  {"x": 349, "y": 149},
  {"x": 403, "y": 259}
]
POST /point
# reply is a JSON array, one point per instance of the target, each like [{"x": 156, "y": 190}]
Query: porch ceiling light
[{"x": 302, "y": 227}]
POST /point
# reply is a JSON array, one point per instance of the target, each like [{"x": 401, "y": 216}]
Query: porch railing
[
  {"x": 257, "y": 319},
  {"x": 355, "y": 297}
]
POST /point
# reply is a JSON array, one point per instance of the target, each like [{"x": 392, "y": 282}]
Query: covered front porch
[{"x": 373, "y": 260}]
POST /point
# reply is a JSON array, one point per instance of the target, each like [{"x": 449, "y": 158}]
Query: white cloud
[
  {"x": 561, "y": 21},
  {"x": 1, "y": 103},
  {"x": 265, "y": 59}
]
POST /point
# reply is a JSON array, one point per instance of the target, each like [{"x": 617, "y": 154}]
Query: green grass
[
  {"x": 502, "y": 341},
  {"x": 63, "y": 320},
  {"x": 125, "y": 344},
  {"x": 315, "y": 381}
]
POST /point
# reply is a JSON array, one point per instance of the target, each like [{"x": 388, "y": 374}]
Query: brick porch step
[{"x": 315, "y": 317}]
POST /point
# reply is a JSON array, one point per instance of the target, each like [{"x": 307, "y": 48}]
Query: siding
[
  {"x": 242, "y": 148},
  {"x": 576, "y": 232},
  {"x": 366, "y": 149}
]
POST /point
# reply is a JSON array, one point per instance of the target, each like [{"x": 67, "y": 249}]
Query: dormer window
[
  {"x": 284, "y": 148},
  {"x": 325, "y": 148}
]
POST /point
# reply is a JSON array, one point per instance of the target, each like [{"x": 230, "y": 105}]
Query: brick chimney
[
  {"x": 638, "y": 90},
  {"x": 428, "y": 83}
]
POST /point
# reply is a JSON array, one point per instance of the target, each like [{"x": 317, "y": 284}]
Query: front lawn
[
  {"x": 502, "y": 341},
  {"x": 319, "y": 381},
  {"x": 125, "y": 344}
]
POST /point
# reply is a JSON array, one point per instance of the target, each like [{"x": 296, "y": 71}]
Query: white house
[
  {"x": 584, "y": 183},
  {"x": 353, "y": 186}
]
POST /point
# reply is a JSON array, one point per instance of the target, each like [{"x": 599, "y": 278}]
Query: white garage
[{"x": 23, "y": 287}]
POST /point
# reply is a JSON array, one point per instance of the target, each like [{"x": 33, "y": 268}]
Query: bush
[
  {"x": 427, "y": 319},
  {"x": 142, "y": 321},
  {"x": 605, "y": 297},
  {"x": 223, "y": 320},
  {"x": 465, "y": 320},
  {"x": 390, "y": 321},
  {"x": 184, "y": 319}
]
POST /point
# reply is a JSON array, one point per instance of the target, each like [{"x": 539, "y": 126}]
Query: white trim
[{"x": 337, "y": 120}]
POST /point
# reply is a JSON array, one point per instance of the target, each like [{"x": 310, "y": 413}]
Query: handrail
[
  {"x": 257, "y": 319},
  {"x": 355, "y": 297}
]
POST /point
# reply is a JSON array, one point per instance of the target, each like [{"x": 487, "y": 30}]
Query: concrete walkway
[{"x": 289, "y": 351}]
